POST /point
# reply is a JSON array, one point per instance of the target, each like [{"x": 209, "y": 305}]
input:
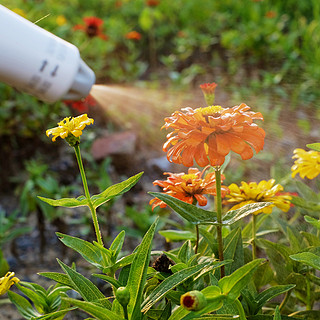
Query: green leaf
[
  {"x": 263, "y": 275},
  {"x": 306, "y": 192},
  {"x": 94, "y": 310},
  {"x": 38, "y": 300},
  {"x": 114, "y": 282},
  {"x": 59, "y": 278},
  {"x": 84, "y": 286},
  {"x": 187, "y": 211},
  {"x": 171, "y": 282},
  {"x": 314, "y": 146},
  {"x": 271, "y": 317},
  {"x": 233, "y": 250},
  {"x": 124, "y": 261},
  {"x": 277, "y": 315},
  {"x": 117, "y": 244},
  {"x": 295, "y": 239},
  {"x": 305, "y": 204},
  {"x": 146, "y": 19},
  {"x": 186, "y": 252},
  {"x": 233, "y": 216},
  {"x": 308, "y": 258},
  {"x": 138, "y": 273},
  {"x": 87, "y": 250},
  {"x": 313, "y": 221},
  {"x": 115, "y": 190},
  {"x": 305, "y": 314},
  {"x": 23, "y": 305},
  {"x": 270, "y": 293},
  {"x": 178, "y": 235},
  {"x": 54, "y": 315},
  {"x": 233, "y": 284},
  {"x": 66, "y": 202},
  {"x": 312, "y": 239},
  {"x": 278, "y": 255}
]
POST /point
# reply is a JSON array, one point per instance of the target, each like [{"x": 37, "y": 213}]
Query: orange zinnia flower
[
  {"x": 92, "y": 27},
  {"x": 133, "y": 35},
  {"x": 190, "y": 187},
  {"x": 207, "y": 135}
]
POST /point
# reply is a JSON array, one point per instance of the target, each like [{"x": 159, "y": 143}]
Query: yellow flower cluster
[
  {"x": 69, "y": 126},
  {"x": 7, "y": 281},
  {"x": 264, "y": 191},
  {"x": 307, "y": 163}
]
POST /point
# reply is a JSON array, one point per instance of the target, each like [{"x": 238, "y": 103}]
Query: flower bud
[
  {"x": 123, "y": 296},
  {"x": 193, "y": 300},
  {"x": 208, "y": 92}
]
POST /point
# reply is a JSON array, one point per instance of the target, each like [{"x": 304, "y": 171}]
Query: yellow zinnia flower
[
  {"x": 307, "y": 163},
  {"x": 70, "y": 125},
  {"x": 264, "y": 191},
  {"x": 7, "y": 281}
]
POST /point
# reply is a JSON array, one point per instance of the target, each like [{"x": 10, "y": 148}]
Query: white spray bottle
[{"x": 35, "y": 61}]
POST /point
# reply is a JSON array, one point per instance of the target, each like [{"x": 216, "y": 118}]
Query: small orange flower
[
  {"x": 92, "y": 27},
  {"x": 133, "y": 35},
  {"x": 271, "y": 14},
  {"x": 190, "y": 187},
  {"x": 181, "y": 34},
  {"x": 118, "y": 4},
  {"x": 82, "y": 105},
  {"x": 152, "y": 3},
  {"x": 207, "y": 135},
  {"x": 208, "y": 90}
]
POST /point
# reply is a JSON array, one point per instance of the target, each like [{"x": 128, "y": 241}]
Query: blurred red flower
[
  {"x": 133, "y": 35},
  {"x": 271, "y": 14},
  {"x": 82, "y": 105},
  {"x": 118, "y": 4},
  {"x": 190, "y": 187},
  {"x": 92, "y": 27},
  {"x": 152, "y": 3}
]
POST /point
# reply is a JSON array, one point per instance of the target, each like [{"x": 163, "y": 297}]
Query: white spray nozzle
[{"x": 34, "y": 60}]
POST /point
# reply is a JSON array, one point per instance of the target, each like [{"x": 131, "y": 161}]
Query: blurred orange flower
[
  {"x": 271, "y": 14},
  {"x": 133, "y": 35},
  {"x": 82, "y": 105},
  {"x": 92, "y": 27},
  {"x": 190, "y": 187},
  {"x": 207, "y": 135},
  {"x": 152, "y": 3}
]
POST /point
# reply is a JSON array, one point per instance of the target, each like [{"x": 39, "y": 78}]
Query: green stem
[
  {"x": 197, "y": 241},
  {"x": 285, "y": 300},
  {"x": 87, "y": 194},
  {"x": 242, "y": 315},
  {"x": 308, "y": 289},
  {"x": 254, "y": 241},
  {"x": 125, "y": 310},
  {"x": 219, "y": 217}
]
